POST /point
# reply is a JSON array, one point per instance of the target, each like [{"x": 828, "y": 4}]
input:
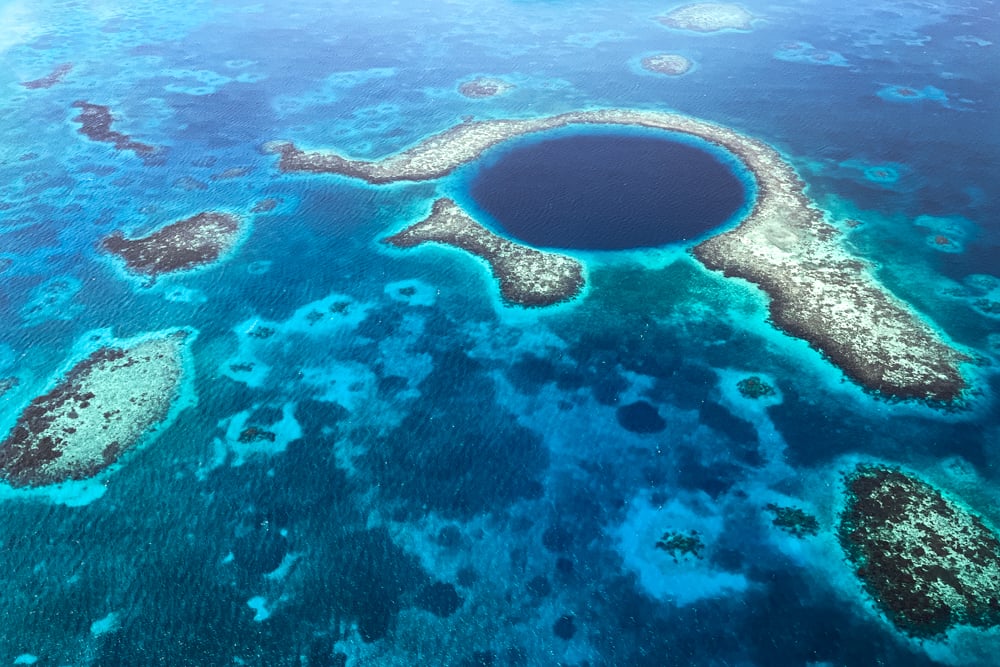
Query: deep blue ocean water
[{"x": 455, "y": 481}]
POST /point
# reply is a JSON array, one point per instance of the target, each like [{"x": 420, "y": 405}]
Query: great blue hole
[{"x": 609, "y": 190}]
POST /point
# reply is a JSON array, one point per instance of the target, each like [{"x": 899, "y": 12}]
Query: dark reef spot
[
  {"x": 640, "y": 417},
  {"x": 440, "y": 599},
  {"x": 449, "y": 536},
  {"x": 466, "y": 577},
  {"x": 565, "y": 627},
  {"x": 539, "y": 586},
  {"x": 557, "y": 539},
  {"x": 564, "y": 566}
]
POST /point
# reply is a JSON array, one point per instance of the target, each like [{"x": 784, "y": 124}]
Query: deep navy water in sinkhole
[{"x": 608, "y": 191}]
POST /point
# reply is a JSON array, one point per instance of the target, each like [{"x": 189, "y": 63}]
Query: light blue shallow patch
[{"x": 806, "y": 53}]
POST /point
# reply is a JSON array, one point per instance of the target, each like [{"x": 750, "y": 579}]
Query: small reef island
[
  {"x": 101, "y": 408},
  {"x": 184, "y": 245},
  {"x": 928, "y": 563},
  {"x": 819, "y": 291},
  {"x": 527, "y": 277},
  {"x": 483, "y": 87},
  {"x": 708, "y": 17},
  {"x": 671, "y": 64}
]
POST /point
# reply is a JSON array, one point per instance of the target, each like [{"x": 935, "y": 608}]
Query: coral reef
[
  {"x": 95, "y": 124},
  {"x": 793, "y": 520},
  {"x": 527, "y": 277},
  {"x": 180, "y": 246},
  {"x": 754, "y": 387},
  {"x": 679, "y": 545},
  {"x": 50, "y": 79},
  {"x": 819, "y": 291},
  {"x": 104, "y": 406},
  {"x": 928, "y": 563},
  {"x": 483, "y": 87},
  {"x": 670, "y": 64},
  {"x": 708, "y": 17}
]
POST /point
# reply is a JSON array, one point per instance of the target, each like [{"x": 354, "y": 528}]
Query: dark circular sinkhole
[{"x": 609, "y": 190}]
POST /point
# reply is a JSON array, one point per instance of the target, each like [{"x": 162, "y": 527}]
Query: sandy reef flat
[
  {"x": 671, "y": 64},
  {"x": 819, "y": 291},
  {"x": 105, "y": 405},
  {"x": 708, "y": 17}
]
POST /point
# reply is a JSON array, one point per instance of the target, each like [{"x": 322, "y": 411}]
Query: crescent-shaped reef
[
  {"x": 819, "y": 291},
  {"x": 527, "y": 277}
]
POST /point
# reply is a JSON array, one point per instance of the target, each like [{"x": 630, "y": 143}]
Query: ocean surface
[{"x": 453, "y": 480}]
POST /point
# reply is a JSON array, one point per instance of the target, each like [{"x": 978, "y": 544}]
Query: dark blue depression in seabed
[{"x": 609, "y": 190}]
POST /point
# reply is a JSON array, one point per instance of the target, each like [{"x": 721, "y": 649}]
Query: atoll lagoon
[{"x": 508, "y": 334}]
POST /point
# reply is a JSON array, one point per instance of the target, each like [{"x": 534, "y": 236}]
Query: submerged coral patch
[
  {"x": 806, "y": 53},
  {"x": 671, "y": 64},
  {"x": 483, "y": 87}
]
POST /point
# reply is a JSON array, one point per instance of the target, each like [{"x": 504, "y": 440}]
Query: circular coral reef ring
[
  {"x": 819, "y": 291},
  {"x": 99, "y": 408},
  {"x": 929, "y": 563}
]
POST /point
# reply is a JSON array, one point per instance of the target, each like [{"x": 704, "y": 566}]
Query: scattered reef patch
[
  {"x": 671, "y": 64},
  {"x": 754, "y": 387},
  {"x": 101, "y": 408},
  {"x": 50, "y": 79},
  {"x": 708, "y": 17},
  {"x": 929, "y": 563},
  {"x": 483, "y": 87},
  {"x": 95, "y": 124},
  {"x": 793, "y": 520},
  {"x": 184, "y": 245}
]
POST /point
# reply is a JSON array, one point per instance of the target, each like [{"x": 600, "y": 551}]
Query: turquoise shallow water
[{"x": 452, "y": 480}]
